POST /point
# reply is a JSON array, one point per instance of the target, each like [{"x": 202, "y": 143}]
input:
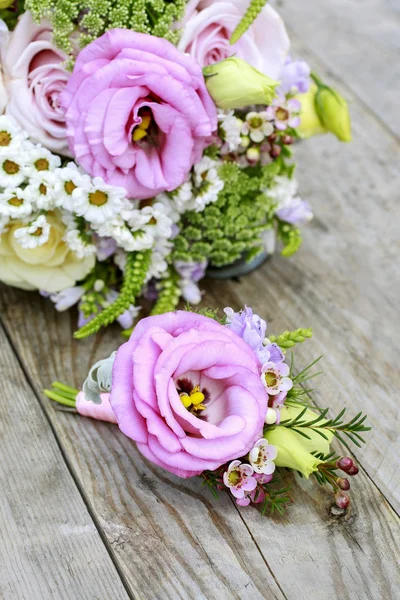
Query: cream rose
[
  {"x": 51, "y": 267},
  {"x": 33, "y": 76},
  {"x": 209, "y": 24}
]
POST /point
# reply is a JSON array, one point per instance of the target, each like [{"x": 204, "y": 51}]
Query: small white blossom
[
  {"x": 98, "y": 202},
  {"x": 283, "y": 191},
  {"x": 78, "y": 245},
  {"x": 3, "y": 223},
  {"x": 231, "y": 127},
  {"x": 40, "y": 190},
  {"x": 11, "y": 135},
  {"x": 39, "y": 160},
  {"x": 11, "y": 169},
  {"x": 257, "y": 126},
  {"x": 182, "y": 198},
  {"x": 33, "y": 235},
  {"x": 67, "y": 180},
  {"x": 14, "y": 203},
  {"x": 207, "y": 182}
]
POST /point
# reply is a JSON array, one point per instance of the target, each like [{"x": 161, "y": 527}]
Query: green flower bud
[
  {"x": 310, "y": 123},
  {"x": 294, "y": 450},
  {"x": 333, "y": 112},
  {"x": 233, "y": 83}
]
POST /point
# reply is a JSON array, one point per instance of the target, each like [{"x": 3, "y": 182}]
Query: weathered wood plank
[
  {"x": 49, "y": 545},
  {"x": 170, "y": 538},
  {"x": 359, "y": 42}
]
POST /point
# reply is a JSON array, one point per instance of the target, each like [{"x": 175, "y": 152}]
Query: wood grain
[
  {"x": 359, "y": 42},
  {"x": 49, "y": 545}
]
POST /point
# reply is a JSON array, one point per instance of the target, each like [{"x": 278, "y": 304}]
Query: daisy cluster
[{"x": 98, "y": 218}]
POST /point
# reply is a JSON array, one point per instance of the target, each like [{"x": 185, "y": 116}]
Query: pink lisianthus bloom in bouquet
[
  {"x": 208, "y": 27},
  {"x": 138, "y": 112},
  {"x": 191, "y": 391},
  {"x": 34, "y": 76}
]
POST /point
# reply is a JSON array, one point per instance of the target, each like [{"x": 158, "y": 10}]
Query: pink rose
[
  {"x": 138, "y": 112},
  {"x": 183, "y": 428},
  {"x": 34, "y": 77},
  {"x": 209, "y": 24}
]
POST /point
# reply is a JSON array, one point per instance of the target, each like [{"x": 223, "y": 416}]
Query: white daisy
[
  {"x": 39, "y": 160},
  {"x": 159, "y": 224},
  {"x": 170, "y": 206},
  {"x": 159, "y": 265},
  {"x": 11, "y": 135},
  {"x": 3, "y": 223},
  {"x": 68, "y": 179},
  {"x": 15, "y": 203},
  {"x": 76, "y": 242},
  {"x": 11, "y": 170},
  {"x": 40, "y": 190},
  {"x": 98, "y": 202},
  {"x": 34, "y": 234},
  {"x": 183, "y": 197}
]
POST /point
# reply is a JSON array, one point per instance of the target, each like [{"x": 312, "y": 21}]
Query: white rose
[{"x": 51, "y": 267}]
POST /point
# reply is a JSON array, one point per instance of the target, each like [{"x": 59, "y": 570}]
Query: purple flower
[
  {"x": 191, "y": 273},
  {"x": 188, "y": 391},
  {"x": 105, "y": 246},
  {"x": 294, "y": 77},
  {"x": 67, "y": 298},
  {"x": 138, "y": 112},
  {"x": 296, "y": 211},
  {"x": 251, "y": 328}
]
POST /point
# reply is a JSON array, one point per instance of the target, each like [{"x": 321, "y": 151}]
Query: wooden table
[{"x": 83, "y": 516}]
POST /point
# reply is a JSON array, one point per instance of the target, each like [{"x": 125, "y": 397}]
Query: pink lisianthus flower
[
  {"x": 240, "y": 481},
  {"x": 209, "y": 24},
  {"x": 138, "y": 112},
  {"x": 188, "y": 391},
  {"x": 34, "y": 76}
]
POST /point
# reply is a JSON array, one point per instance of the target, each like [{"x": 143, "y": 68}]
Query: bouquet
[
  {"x": 214, "y": 398},
  {"x": 144, "y": 142}
]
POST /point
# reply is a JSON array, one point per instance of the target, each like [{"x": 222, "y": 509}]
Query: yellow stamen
[
  {"x": 138, "y": 134},
  {"x": 145, "y": 124},
  {"x": 185, "y": 399},
  {"x": 196, "y": 398}
]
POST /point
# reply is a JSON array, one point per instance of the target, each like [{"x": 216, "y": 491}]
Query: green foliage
[
  {"x": 232, "y": 226},
  {"x": 291, "y": 238},
  {"x": 288, "y": 339},
  {"x": 248, "y": 18},
  {"x": 89, "y": 19},
  {"x": 169, "y": 295},
  {"x": 10, "y": 15},
  {"x": 135, "y": 273},
  {"x": 352, "y": 429}
]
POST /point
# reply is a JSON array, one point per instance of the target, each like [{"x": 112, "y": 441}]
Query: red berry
[
  {"x": 287, "y": 140},
  {"x": 342, "y": 500},
  {"x": 275, "y": 151},
  {"x": 343, "y": 483},
  {"x": 353, "y": 470},
  {"x": 344, "y": 463}
]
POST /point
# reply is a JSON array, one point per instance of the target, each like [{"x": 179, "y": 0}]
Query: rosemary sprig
[
  {"x": 351, "y": 429},
  {"x": 275, "y": 500}
]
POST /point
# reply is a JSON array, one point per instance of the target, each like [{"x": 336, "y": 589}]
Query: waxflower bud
[
  {"x": 253, "y": 155},
  {"x": 233, "y": 83},
  {"x": 333, "y": 112},
  {"x": 344, "y": 463},
  {"x": 352, "y": 471},
  {"x": 343, "y": 483},
  {"x": 5, "y": 3},
  {"x": 342, "y": 500},
  {"x": 295, "y": 451},
  {"x": 275, "y": 151}
]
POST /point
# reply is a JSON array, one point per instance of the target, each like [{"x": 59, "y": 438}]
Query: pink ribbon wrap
[{"x": 101, "y": 412}]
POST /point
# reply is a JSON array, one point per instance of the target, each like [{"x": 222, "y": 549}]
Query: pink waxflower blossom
[
  {"x": 209, "y": 24},
  {"x": 187, "y": 390},
  {"x": 275, "y": 378},
  {"x": 262, "y": 457},
  {"x": 138, "y": 112},
  {"x": 240, "y": 481}
]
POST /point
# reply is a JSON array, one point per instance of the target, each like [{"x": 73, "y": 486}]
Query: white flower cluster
[
  {"x": 201, "y": 189},
  {"x": 33, "y": 182}
]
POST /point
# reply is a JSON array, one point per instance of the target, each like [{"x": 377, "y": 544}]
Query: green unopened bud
[
  {"x": 6, "y": 3},
  {"x": 233, "y": 83},
  {"x": 333, "y": 112},
  {"x": 310, "y": 123},
  {"x": 294, "y": 450}
]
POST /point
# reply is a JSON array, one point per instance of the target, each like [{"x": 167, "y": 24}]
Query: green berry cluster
[
  {"x": 169, "y": 295},
  {"x": 291, "y": 238},
  {"x": 89, "y": 19},
  {"x": 137, "y": 265},
  {"x": 230, "y": 227}
]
